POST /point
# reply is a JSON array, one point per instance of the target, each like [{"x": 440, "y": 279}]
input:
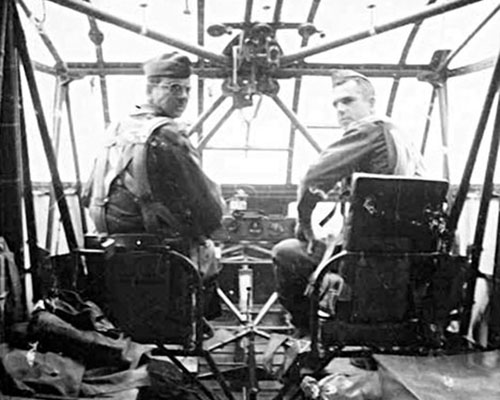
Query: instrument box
[{"x": 254, "y": 226}]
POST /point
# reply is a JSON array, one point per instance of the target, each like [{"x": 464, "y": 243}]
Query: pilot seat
[
  {"x": 394, "y": 287},
  {"x": 151, "y": 291}
]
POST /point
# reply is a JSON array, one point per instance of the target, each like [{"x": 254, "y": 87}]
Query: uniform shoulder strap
[
  {"x": 96, "y": 188},
  {"x": 136, "y": 180}
]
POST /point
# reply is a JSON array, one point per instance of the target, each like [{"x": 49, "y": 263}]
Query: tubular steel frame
[
  {"x": 486, "y": 196},
  {"x": 212, "y": 65}
]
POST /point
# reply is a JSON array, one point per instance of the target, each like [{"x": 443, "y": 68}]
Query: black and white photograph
[{"x": 249, "y": 199}]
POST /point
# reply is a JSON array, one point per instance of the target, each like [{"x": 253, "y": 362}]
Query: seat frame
[
  {"x": 322, "y": 354},
  {"x": 193, "y": 346}
]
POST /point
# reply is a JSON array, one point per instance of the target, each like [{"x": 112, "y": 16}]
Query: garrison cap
[
  {"x": 341, "y": 75},
  {"x": 170, "y": 65}
]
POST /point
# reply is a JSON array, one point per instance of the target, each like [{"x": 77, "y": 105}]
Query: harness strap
[
  {"x": 135, "y": 178},
  {"x": 99, "y": 187},
  {"x": 137, "y": 182},
  {"x": 129, "y": 158}
]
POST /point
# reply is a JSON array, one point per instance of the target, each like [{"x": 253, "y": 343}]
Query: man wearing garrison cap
[
  {"x": 370, "y": 144},
  {"x": 148, "y": 179}
]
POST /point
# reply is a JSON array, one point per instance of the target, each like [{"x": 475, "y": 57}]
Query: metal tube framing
[
  {"x": 196, "y": 127},
  {"x": 56, "y": 140},
  {"x": 79, "y": 69},
  {"x": 310, "y": 17},
  {"x": 402, "y": 61},
  {"x": 370, "y": 70},
  {"x": 44, "y": 132},
  {"x": 291, "y": 115},
  {"x": 209, "y": 135},
  {"x": 97, "y": 37},
  {"x": 3, "y": 32},
  {"x": 447, "y": 61},
  {"x": 201, "y": 103},
  {"x": 43, "y": 35},
  {"x": 474, "y": 67},
  {"x": 104, "y": 92},
  {"x": 296, "y": 97},
  {"x": 11, "y": 168},
  {"x": 442, "y": 94},
  {"x": 76, "y": 161},
  {"x": 277, "y": 11},
  {"x": 426, "y": 13},
  {"x": 95, "y": 12},
  {"x": 201, "y": 42},
  {"x": 494, "y": 300},
  {"x": 29, "y": 208},
  {"x": 248, "y": 11},
  {"x": 484, "y": 205},
  {"x": 291, "y": 138},
  {"x": 201, "y": 22},
  {"x": 10, "y": 144},
  {"x": 428, "y": 120},
  {"x": 44, "y": 68},
  {"x": 463, "y": 188}
]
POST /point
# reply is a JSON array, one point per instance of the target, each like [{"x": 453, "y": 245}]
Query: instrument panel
[{"x": 254, "y": 226}]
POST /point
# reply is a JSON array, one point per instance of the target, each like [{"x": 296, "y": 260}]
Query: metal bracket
[{"x": 435, "y": 77}]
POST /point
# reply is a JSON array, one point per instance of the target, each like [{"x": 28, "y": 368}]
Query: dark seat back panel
[
  {"x": 394, "y": 214},
  {"x": 148, "y": 296},
  {"x": 394, "y": 300},
  {"x": 379, "y": 286}
]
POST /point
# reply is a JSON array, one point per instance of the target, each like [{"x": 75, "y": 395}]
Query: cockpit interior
[{"x": 403, "y": 299}]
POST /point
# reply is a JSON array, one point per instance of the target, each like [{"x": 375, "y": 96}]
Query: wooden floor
[{"x": 233, "y": 359}]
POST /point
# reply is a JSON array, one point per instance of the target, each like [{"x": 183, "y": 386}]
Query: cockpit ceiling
[
  {"x": 400, "y": 44},
  {"x": 330, "y": 20},
  {"x": 315, "y": 22}
]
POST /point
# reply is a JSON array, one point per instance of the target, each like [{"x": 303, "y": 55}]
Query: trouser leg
[{"x": 292, "y": 267}]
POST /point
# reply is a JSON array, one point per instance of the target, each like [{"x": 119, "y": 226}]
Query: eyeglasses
[{"x": 176, "y": 89}]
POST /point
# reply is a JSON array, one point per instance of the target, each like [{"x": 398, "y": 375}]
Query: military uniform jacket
[{"x": 149, "y": 171}]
